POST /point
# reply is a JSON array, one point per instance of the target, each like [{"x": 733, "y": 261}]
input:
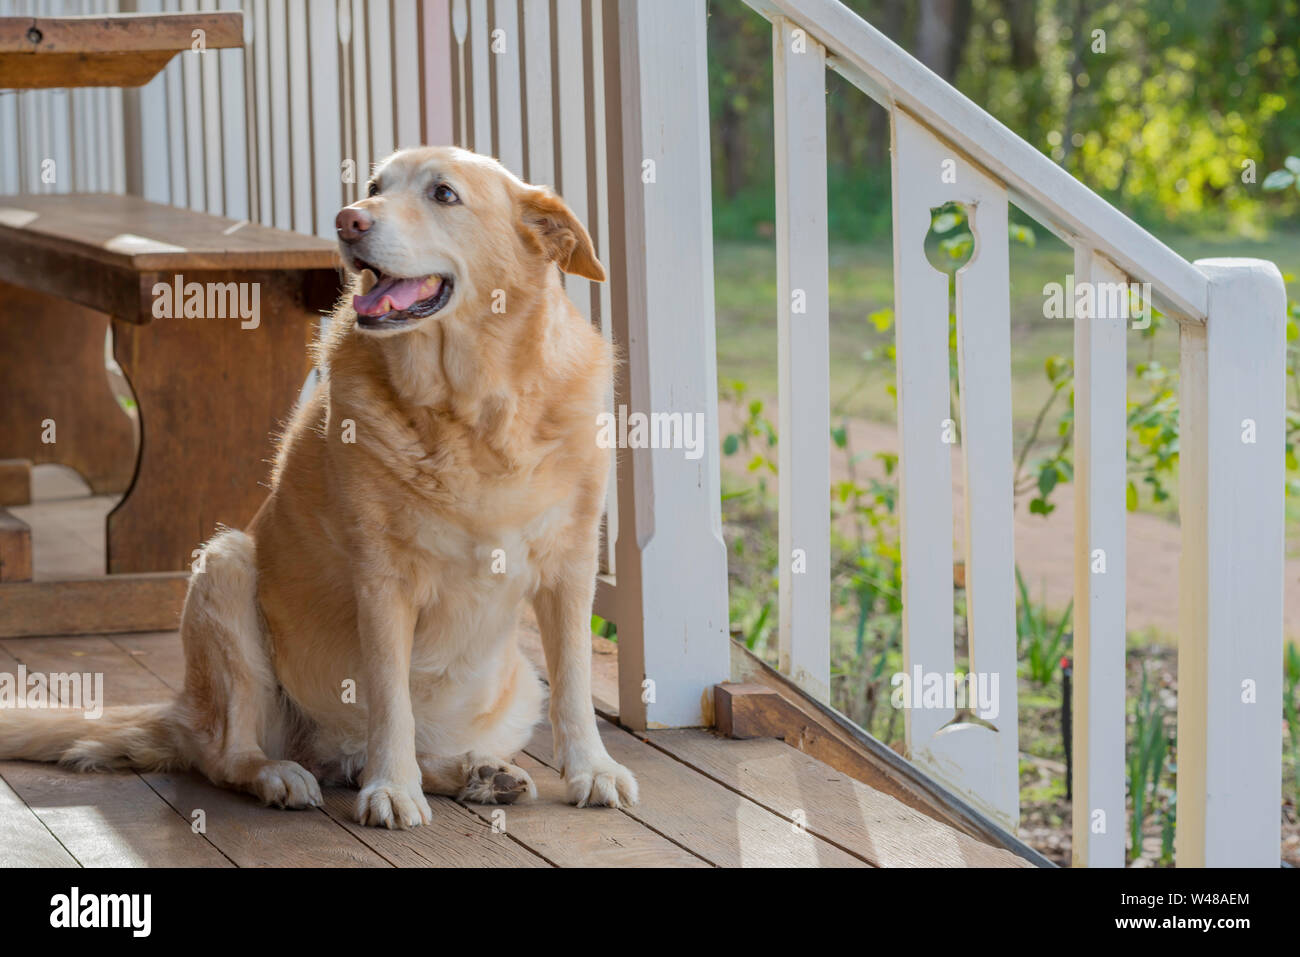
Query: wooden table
[
  {"x": 210, "y": 390},
  {"x": 118, "y": 50}
]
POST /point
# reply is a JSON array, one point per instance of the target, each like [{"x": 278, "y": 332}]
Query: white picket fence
[{"x": 607, "y": 99}]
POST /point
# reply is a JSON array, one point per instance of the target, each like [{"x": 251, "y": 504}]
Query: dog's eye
[
  {"x": 372, "y": 189},
  {"x": 442, "y": 193}
]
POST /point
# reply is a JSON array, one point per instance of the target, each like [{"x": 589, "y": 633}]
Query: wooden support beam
[
  {"x": 111, "y": 604},
  {"x": 15, "y": 549}
]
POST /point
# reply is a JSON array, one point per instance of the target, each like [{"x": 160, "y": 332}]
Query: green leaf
[
  {"x": 840, "y": 435},
  {"x": 1040, "y": 506},
  {"x": 1131, "y": 500},
  {"x": 1047, "y": 477},
  {"x": 730, "y": 444}
]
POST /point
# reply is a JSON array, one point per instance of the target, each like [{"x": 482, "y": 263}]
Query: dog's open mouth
[{"x": 392, "y": 300}]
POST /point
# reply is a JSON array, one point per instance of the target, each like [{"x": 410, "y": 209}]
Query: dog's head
[{"x": 447, "y": 232}]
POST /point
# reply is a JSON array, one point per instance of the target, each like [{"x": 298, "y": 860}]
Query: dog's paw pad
[{"x": 497, "y": 784}]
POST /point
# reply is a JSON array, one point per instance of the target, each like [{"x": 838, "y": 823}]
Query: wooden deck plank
[
  {"x": 24, "y": 840},
  {"x": 109, "y": 818},
  {"x": 158, "y": 652},
  {"x": 126, "y": 682},
  {"x": 245, "y": 832},
  {"x": 104, "y": 819},
  {"x": 583, "y": 837},
  {"x": 456, "y": 837},
  {"x": 723, "y": 827},
  {"x": 853, "y": 815},
  {"x": 252, "y": 835}
]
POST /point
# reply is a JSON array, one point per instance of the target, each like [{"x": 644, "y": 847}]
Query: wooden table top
[
  {"x": 127, "y": 232},
  {"x": 117, "y": 50}
]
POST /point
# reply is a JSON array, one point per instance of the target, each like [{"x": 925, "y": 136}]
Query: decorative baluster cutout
[{"x": 978, "y": 762}]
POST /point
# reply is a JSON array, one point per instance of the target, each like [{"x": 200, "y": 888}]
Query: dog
[{"x": 362, "y": 629}]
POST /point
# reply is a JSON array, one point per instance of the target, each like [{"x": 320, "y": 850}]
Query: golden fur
[{"x": 443, "y": 472}]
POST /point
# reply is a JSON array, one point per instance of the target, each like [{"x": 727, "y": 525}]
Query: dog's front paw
[
  {"x": 599, "y": 782},
  {"x": 392, "y": 805},
  {"x": 286, "y": 784}
]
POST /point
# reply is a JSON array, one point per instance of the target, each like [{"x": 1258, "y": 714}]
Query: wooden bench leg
[
  {"x": 15, "y": 548},
  {"x": 211, "y": 395},
  {"x": 53, "y": 385}
]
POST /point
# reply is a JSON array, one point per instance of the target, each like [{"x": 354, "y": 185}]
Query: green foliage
[
  {"x": 1041, "y": 644},
  {"x": 1150, "y": 755},
  {"x": 1162, "y": 116}
]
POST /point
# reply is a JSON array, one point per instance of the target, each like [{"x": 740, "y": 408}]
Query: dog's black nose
[{"x": 352, "y": 223}]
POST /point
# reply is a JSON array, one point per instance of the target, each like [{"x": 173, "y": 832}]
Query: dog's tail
[{"x": 142, "y": 737}]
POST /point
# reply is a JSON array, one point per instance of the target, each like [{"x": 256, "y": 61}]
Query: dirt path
[{"x": 1044, "y": 545}]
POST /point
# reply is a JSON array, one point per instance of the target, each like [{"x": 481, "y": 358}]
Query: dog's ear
[{"x": 556, "y": 232}]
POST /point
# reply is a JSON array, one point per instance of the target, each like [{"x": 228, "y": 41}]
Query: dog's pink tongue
[{"x": 388, "y": 295}]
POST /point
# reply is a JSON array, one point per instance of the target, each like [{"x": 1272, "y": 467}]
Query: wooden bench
[{"x": 211, "y": 389}]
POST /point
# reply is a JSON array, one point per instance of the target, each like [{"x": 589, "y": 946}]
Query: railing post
[
  {"x": 672, "y": 562},
  {"x": 1232, "y": 435}
]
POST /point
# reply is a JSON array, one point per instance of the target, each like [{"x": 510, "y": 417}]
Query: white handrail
[{"x": 894, "y": 78}]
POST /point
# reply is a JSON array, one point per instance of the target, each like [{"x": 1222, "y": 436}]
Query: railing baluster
[
  {"x": 925, "y": 459},
  {"x": 438, "y": 52},
  {"x": 234, "y": 148},
  {"x": 1100, "y": 464},
  {"x": 803, "y": 319},
  {"x": 299, "y": 147},
  {"x": 379, "y": 33},
  {"x": 1232, "y": 434},
  {"x": 509, "y": 109},
  {"x": 261, "y": 53},
  {"x": 984, "y": 388},
  {"x": 596, "y": 160},
  {"x": 325, "y": 158},
  {"x": 478, "y": 49},
  {"x": 975, "y": 760},
  {"x": 572, "y": 129},
  {"x": 191, "y": 125},
  {"x": 406, "y": 73},
  {"x": 537, "y": 64}
]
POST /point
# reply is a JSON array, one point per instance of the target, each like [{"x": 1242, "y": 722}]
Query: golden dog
[{"x": 363, "y": 627}]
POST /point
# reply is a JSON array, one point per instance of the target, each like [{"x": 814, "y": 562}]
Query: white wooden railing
[
  {"x": 1230, "y": 315},
  {"x": 607, "y": 99}
]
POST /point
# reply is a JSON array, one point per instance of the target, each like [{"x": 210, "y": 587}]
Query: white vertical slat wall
[
  {"x": 803, "y": 357},
  {"x": 59, "y": 141}
]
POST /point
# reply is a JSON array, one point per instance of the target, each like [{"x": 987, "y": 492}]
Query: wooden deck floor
[{"x": 705, "y": 800}]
